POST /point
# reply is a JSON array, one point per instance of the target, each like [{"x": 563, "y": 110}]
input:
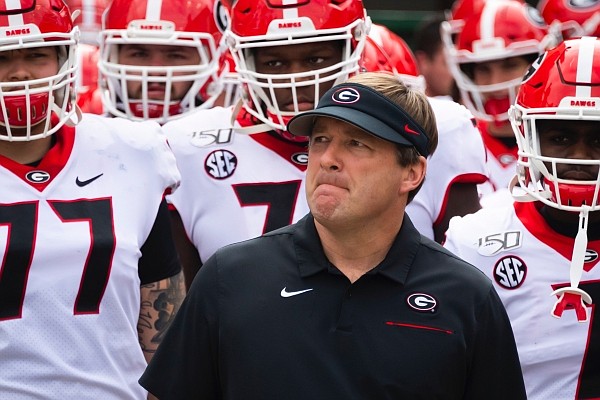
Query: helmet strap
[{"x": 572, "y": 297}]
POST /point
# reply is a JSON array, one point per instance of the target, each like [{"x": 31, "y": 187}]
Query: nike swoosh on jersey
[
  {"x": 285, "y": 293},
  {"x": 87, "y": 182}
]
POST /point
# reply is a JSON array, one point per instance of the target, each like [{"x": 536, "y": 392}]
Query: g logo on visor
[{"x": 345, "y": 95}]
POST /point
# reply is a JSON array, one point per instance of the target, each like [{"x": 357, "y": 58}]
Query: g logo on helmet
[
  {"x": 582, "y": 3},
  {"x": 534, "y": 16},
  {"x": 533, "y": 67},
  {"x": 221, "y": 16},
  {"x": 346, "y": 96}
]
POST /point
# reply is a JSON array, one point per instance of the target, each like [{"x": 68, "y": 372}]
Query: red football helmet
[
  {"x": 462, "y": 9},
  {"x": 197, "y": 24},
  {"x": 563, "y": 84},
  {"x": 501, "y": 29},
  {"x": 31, "y": 24},
  {"x": 268, "y": 23},
  {"x": 577, "y": 17},
  {"x": 88, "y": 18},
  {"x": 386, "y": 51}
]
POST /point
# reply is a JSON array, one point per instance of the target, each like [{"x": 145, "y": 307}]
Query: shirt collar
[{"x": 395, "y": 266}]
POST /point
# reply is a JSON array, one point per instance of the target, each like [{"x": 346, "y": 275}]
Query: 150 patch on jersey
[
  {"x": 493, "y": 244},
  {"x": 211, "y": 137}
]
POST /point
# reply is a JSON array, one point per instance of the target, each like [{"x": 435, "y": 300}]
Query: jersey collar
[{"x": 51, "y": 164}]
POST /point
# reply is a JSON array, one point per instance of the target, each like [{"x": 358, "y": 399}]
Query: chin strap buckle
[{"x": 571, "y": 298}]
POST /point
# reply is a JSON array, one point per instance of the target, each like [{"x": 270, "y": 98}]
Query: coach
[{"x": 351, "y": 302}]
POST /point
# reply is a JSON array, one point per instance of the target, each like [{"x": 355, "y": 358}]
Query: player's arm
[
  {"x": 160, "y": 301},
  {"x": 188, "y": 254},
  {"x": 162, "y": 283},
  {"x": 463, "y": 199}
]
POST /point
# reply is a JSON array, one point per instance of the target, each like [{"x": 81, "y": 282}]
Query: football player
[
  {"x": 242, "y": 173},
  {"x": 542, "y": 251},
  {"x": 89, "y": 274},
  {"x": 429, "y": 53},
  {"x": 493, "y": 49},
  {"x": 458, "y": 164},
  {"x": 160, "y": 60}
]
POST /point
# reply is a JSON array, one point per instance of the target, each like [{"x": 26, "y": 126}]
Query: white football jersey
[
  {"x": 527, "y": 261},
  {"x": 459, "y": 158},
  {"x": 71, "y": 229},
  {"x": 234, "y": 186}
]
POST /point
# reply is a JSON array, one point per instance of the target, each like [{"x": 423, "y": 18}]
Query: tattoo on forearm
[{"x": 158, "y": 310}]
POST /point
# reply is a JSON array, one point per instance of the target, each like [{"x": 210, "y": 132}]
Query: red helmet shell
[
  {"x": 257, "y": 18},
  {"x": 399, "y": 55},
  {"x": 186, "y": 16},
  {"x": 554, "y": 76},
  {"x": 509, "y": 21},
  {"x": 50, "y": 16},
  {"x": 580, "y": 12}
]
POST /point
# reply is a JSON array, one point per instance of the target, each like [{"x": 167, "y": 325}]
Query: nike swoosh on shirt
[
  {"x": 285, "y": 293},
  {"x": 87, "y": 182}
]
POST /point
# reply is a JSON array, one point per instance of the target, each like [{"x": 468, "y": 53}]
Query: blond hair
[{"x": 414, "y": 103}]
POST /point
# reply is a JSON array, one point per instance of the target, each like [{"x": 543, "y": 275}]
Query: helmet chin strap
[
  {"x": 75, "y": 118},
  {"x": 247, "y": 130},
  {"x": 572, "y": 297}
]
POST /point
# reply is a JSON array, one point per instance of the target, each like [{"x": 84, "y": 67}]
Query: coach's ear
[{"x": 413, "y": 175}]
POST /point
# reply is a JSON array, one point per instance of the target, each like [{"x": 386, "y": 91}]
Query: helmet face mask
[
  {"x": 313, "y": 24},
  {"x": 570, "y": 111},
  {"x": 179, "y": 25},
  {"x": 35, "y": 108}
]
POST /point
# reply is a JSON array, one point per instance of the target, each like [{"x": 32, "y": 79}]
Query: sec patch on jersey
[{"x": 510, "y": 272}]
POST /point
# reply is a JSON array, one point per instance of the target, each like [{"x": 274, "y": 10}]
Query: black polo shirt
[{"x": 272, "y": 318}]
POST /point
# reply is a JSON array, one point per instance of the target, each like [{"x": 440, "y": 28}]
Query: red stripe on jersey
[
  {"x": 538, "y": 227},
  {"x": 285, "y": 149}
]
